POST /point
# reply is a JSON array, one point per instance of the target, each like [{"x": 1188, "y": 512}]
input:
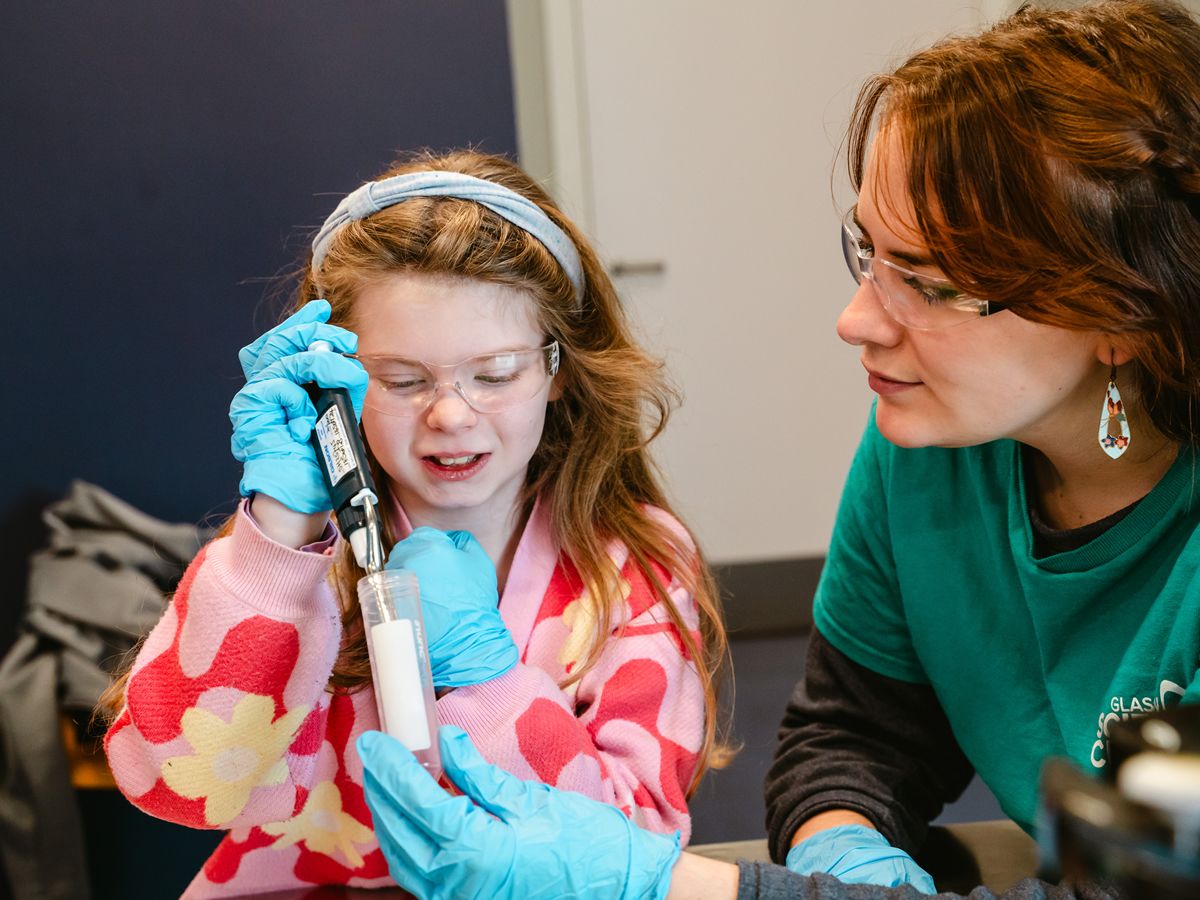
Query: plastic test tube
[
  {"x": 391, "y": 608},
  {"x": 389, "y": 598}
]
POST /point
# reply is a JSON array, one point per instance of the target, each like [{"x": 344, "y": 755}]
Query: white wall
[{"x": 703, "y": 136}]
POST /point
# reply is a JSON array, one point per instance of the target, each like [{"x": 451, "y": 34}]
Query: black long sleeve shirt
[{"x": 854, "y": 739}]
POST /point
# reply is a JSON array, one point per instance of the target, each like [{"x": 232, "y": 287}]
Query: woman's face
[
  {"x": 998, "y": 376},
  {"x": 450, "y": 465}
]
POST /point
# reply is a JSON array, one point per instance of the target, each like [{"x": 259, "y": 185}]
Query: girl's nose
[
  {"x": 449, "y": 410},
  {"x": 865, "y": 321}
]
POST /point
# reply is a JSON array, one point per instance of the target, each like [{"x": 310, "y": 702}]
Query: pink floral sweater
[{"x": 228, "y": 721}]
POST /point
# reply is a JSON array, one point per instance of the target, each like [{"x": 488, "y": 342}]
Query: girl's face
[
  {"x": 450, "y": 466},
  {"x": 999, "y": 376}
]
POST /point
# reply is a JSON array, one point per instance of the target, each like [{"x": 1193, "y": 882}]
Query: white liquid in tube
[
  {"x": 402, "y": 704},
  {"x": 400, "y": 671}
]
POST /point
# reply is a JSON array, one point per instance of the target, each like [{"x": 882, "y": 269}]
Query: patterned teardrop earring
[{"x": 1112, "y": 411}]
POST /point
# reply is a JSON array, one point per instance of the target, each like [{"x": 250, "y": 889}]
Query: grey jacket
[{"x": 94, "y": 591}]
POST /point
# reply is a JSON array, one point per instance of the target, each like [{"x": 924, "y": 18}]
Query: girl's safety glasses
[
  {"x": 923, "y": 302},
  {"x": 488, "y": 383}
]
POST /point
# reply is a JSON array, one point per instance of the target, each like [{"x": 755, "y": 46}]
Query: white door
[{"x": 697, "y": 144}]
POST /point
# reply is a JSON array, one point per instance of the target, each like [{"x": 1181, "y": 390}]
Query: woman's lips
[
  {"x": 455, "y": 467},
  {"x": 887, "y": 387}
]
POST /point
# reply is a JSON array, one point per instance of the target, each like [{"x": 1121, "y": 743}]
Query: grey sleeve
[
  {"x": 854, "y": 739},
  {"x": 763, "y": 881}
]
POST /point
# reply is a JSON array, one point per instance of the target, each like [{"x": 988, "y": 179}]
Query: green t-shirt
[{"x": 931, "y": 579}]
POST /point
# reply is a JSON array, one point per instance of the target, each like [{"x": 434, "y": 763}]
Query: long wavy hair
[
  {"x": 1054, "y": 166},
  {"x": 592, "y": 468}
]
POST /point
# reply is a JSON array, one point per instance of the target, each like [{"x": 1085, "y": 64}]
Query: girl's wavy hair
[
  {"x": 1054, "y": 166},
  {"x": 592, "y": 468}
]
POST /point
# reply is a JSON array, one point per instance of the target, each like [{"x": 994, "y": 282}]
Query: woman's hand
[
  {"x": 857, "y": 854},
  {"x": 468, "y": 640},
  {"x": 506, "y": 838},
  {"x": 272, "y": 415}
]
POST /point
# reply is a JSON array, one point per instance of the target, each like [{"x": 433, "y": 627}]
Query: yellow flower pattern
[
  {"x": 232, "y": 758},
  {"x": 580, "y": 617},
  {"x": 323, "y": 826}
]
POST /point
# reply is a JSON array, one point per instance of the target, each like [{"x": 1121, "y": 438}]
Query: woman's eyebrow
[{"x": 912, "y": 258}]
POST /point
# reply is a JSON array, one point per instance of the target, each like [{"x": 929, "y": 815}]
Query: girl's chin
[
  {"x": 419, "y": 492},
  {"x": 434, "y": 496}
]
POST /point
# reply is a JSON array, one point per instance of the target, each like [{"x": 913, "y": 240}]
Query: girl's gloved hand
[
  {"x": 468, "y": 640},
  {"x": 272, "y": 415},
  {"x": 295, "y": 333},
  {"x": 857, "y": 854},
  {"x": 505, "y": 838}
]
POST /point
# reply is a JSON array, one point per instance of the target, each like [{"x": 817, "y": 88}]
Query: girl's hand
[
  {"x": 468, "y": 641},
  {"x": 272, "y": 415},
  {"x": 293, "y": 334}
]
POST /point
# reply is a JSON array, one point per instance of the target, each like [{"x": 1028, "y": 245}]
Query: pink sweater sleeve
[
  {"x": 226, "y": 702},
  {"x": 628, "y": 733}
]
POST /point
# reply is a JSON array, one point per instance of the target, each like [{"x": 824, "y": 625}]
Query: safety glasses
[
  {"x": 923, "y": 302},
  {"x": 489, "y": 383}
]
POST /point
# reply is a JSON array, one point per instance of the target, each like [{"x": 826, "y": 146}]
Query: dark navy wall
[{"x": 159, "y": 163}]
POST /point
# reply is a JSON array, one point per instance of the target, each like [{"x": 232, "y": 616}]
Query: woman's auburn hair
[
  {"x": 592, "y": 467},
  {"x": 1054, "y": 166}
]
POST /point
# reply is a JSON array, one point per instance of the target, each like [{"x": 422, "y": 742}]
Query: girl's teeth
[{"x": 454, "y": 460}]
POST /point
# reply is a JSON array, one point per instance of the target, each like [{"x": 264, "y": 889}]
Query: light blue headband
[{"x": 376, "y": 195}]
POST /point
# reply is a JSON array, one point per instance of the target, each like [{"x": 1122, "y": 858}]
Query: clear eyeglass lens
[
  {"x": 914, "y": 300},
  {"x": 488, "y": 383}
]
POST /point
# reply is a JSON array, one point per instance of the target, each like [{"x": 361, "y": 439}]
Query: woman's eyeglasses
[{"x": 923, "y": 302}]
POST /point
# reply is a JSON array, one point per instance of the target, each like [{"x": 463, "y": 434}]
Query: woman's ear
[
  {"x": 559, "y": 380},
  {"x": 1112, "y": 350}
]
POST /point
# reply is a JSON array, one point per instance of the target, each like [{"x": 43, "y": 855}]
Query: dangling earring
[{"x": 1113, "y": 445}]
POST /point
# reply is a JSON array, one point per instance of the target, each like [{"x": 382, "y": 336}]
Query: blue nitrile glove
[
  {"x": 857, "y": 854},
  {"x": 295, "y": 333},
  {"x": 468, "y": 640},
  {"x": 506, "y": 838},
  {"x": 272, "y": 416}
]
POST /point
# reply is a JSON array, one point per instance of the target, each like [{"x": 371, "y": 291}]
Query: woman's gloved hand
[
  {"x": 506, "y": 838},
  {"x": 272, "y": 415},
  {"x": 468, "y": 640},
  {"x": 857, "y": 854}
]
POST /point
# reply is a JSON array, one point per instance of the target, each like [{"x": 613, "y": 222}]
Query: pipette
[{"x": 389, "y": 598}]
